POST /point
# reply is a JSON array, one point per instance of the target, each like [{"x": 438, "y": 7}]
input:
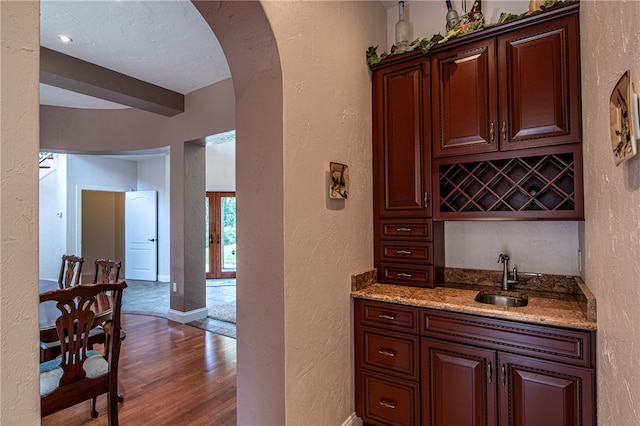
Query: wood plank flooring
[{"x": 172, "y": 374}]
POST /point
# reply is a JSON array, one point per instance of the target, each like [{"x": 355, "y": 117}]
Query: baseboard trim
[
  {"x": 353, "y": 420},
  {"x": 164, "y": 278},
  {"x": 185, "y": 317}
]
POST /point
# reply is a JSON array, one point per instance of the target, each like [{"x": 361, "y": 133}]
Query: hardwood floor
[{"x": 170, "y": 373}]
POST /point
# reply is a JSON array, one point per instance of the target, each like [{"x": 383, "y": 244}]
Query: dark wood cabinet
[
  {"x": 537, "y": 392},
  {"x": 458, "y": 384},
  {"x": 506, "y": 115},
  {"x": 539, "y": 72},
  {"x": 424, "y": 366},
  {"x": 387, "y": 359},
  {"x": 401, "y": 145},
  {"x": 520, "y": 89},
  {"x": 465, "y": 99},
  {"x": 482, "y": 371},
  {"x": 408, "y": 245}
]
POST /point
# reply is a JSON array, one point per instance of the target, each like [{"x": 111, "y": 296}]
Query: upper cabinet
[
  {"x": 401, "y": 145},
  {"x": 511, "y": 90}
]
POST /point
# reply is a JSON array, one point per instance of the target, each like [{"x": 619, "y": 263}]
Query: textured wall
[
  {"x": 327, "y": 117},
  {"x": 611, "y": 45},
  {"x": 19, "y": 68}
]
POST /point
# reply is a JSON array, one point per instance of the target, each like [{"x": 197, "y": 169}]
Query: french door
[{"x": 220, "y": 215}]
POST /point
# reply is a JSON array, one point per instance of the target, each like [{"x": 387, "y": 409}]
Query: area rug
[{"x": 224, "y": 312}]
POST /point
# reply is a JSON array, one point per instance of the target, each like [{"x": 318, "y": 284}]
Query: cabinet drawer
[
  {"x": 386, "y": 315},
  {"x": 388, "y": 352},
  {"x": 401, "y": 251},
  {"x": 406, "y": 229},
  {"x": 390, "y": 401},
  {"x": 407, "y": 274},
  {"x": 551, "y": 343}
]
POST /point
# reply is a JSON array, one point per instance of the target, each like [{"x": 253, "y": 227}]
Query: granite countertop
[{"x": 563, "y": 302}]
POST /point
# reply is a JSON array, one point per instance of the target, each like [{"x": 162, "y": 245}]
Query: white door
[{"x": 141, "y": 236}]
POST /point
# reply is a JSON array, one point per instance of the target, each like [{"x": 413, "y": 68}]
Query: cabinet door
[
  {"x": 458, "y": 384},
  {"x": 535, "y": 392},
  {"x": 401, "y": 147},
  {"x": 539, "y": 75},
  {"x": 464, "y": 100}
]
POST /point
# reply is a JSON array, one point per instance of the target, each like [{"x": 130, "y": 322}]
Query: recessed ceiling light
[{"x": 65, "y": 38}]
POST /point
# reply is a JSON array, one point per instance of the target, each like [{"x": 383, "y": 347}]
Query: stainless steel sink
[{"x": 502, "y": 298}]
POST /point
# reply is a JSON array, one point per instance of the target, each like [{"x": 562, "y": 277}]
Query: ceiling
[{"x": 166, "y": 43}]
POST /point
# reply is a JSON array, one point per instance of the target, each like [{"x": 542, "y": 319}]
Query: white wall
[
  {"x": 52, "y": 223},
  {"x": 221, "y": 167},
  {"x": 610, "y": 43},
  {"x": 544, "y": 247}
]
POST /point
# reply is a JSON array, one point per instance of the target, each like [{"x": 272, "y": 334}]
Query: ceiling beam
[{"x": 67, "y": 72}]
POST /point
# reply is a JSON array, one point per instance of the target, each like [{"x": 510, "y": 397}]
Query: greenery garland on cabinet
[{"x": 467, "y": 24}]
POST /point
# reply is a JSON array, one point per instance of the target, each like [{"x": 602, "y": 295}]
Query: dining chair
[
  {"x": 107, "y": 271},
  {"x": 81, "y": 374},
  {"x": 70, "y": 270}
]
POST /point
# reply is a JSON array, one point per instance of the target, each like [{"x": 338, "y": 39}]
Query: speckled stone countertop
[{"x": 553, "y": 300}]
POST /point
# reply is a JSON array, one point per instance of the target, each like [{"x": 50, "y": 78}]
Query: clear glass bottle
[
  {"x": 402, "y": 30},
  {"x": 452, "y": 16}
]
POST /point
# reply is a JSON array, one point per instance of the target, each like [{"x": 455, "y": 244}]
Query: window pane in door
[{"x": 228, "y": 220}]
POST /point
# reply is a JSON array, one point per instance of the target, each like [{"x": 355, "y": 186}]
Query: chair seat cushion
[{"x": 50, "y": 371}]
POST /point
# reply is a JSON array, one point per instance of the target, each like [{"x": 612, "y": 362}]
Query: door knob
[{"x": 151, "y": 239}]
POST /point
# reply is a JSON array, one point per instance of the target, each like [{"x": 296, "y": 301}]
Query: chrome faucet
[{"x": 506, "y": 281}]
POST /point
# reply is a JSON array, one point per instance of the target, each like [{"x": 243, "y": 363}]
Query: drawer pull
[
  {"x": 403, "y": 275},
  {"x": 407, "y": 252},
  {"x": 387, "y": 317},
  {"x": 404, "y": 230},
  {"x": 387, "y": 352},
  {"x": 387, "y": 403}
]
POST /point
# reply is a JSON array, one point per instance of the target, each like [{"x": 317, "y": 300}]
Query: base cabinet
[
  {"x": 418, "y": 366},
  {"x": 535, "y": 392}
]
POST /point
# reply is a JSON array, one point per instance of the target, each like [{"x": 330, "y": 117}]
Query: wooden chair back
[
  {"x": 70, "y": 270},
  {"x": 78, "y": 306},
  {"x": 107, "y": 271}
]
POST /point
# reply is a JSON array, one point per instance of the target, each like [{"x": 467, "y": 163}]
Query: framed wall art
[
  {"x": 623, "y": 120},
  {"x": 338, "y": 181}
]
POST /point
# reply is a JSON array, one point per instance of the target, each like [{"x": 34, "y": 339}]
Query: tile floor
[{"x": 152, "y": 297}]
